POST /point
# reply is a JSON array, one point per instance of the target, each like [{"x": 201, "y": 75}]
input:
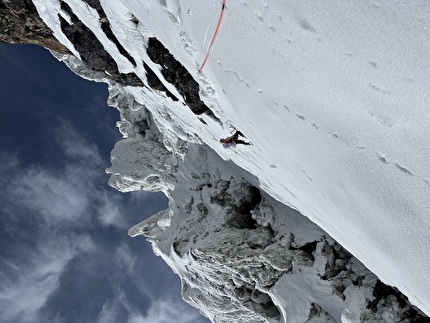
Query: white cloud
[
  {"x": 109, "y": 212},
  {"x": 167, "y": 311},
  {"x": 124, "y": 258},
  {"x": 109, "y": 312},
  {"x": 50, "y": 205},
  {"x": 67, "y": 193},
  {"x": 76, "y": 146},
  {"x": 50, "y": 196},
  {"x": 21, "y": 297}
]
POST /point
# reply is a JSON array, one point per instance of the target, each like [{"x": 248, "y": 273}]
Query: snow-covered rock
[{"x": 244, "y": 257}]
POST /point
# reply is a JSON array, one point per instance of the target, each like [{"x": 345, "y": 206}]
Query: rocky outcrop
[
  {"x": 175, "y": 73},
  {"x": 20, "y": 24},
  {"x": 243, "y": 257},
  {"x": 92, "y": 52}
]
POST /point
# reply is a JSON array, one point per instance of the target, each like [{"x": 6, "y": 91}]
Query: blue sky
[{"x": 64, "y": 251}]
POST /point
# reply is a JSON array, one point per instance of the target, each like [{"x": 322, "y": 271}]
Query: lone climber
[{"x": 233, "y": 140}]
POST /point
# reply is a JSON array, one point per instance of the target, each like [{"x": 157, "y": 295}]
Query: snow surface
[{"x": 334, "y": 97}]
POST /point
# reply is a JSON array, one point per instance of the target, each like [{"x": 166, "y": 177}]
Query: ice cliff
[{"x": 233, "y": 232}]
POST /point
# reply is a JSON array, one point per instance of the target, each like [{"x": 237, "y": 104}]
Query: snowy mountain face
[{"x": 333, "y": 97}]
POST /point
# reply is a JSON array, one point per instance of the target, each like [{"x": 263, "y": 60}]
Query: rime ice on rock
[{"x": 243, "y": 257}]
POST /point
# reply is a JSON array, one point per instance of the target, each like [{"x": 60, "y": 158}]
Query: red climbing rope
[{"x": 215, "y": 33}]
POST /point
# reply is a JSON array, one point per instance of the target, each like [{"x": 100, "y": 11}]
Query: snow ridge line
[{"x": 215, "y": 34}]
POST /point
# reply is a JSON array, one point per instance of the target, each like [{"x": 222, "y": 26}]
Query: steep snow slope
[{"x": 333, "y": 96}]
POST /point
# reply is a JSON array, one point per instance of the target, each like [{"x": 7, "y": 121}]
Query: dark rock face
[
  {"x": 104, "y": 23},
  {"x": 175, "y": 73},
  {"x": 20, "y": 24},
  {"x": 155, "y": 83},
  {"x": 92, "y": 51}
]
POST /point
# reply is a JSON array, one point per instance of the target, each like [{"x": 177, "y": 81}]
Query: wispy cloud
[
  {"x": 46, "y": 212},
  {"x": 36, "y": 279},
  {"x": 49, "y": 196},
  {"x": 62, "y": 224},
  {"x": 110, "y": 212},
  {"x": 77, "y": 147},
  {"x": 167, "y": 311}
]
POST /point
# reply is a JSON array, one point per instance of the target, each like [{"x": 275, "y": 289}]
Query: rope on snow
[{"x": 214, "y": 36}]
